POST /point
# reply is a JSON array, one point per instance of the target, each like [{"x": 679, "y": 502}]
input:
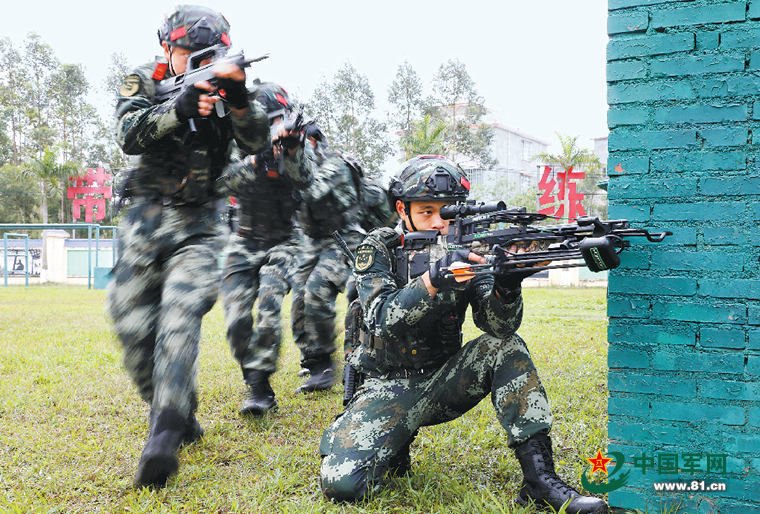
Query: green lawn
[{"x": 72, "y": 427}]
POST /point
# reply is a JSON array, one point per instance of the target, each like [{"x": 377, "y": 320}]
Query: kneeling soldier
[{"x": 417, "y": 371}]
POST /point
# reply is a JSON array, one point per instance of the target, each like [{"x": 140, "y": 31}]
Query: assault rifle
[
  {"x": 266, "y": 161},
  {"x": 499, "y": 234},
  {"x": 173, "y": 86}
]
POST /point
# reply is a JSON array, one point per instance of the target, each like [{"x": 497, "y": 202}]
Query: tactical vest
[
  {"x": 322, "y": 218},
  {"x": 425, "y": 347},
  {"x": 267, "y": 212},
  {"x": 182, "y": 168}
]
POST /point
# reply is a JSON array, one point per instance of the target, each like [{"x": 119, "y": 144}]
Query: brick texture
[{"x": 684, "y": 315}]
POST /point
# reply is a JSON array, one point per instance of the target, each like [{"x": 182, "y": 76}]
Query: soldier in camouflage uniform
[
  {"x": 330, "y": 203},
  {"x": 417, "y": 371},
  {"x": 166, "y": 277},
  {"x": 260, "y": 258}
]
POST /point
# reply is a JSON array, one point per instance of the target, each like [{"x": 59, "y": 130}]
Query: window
[
  {"x": 527, "y": 151},
  {"x": 475, "y": 176}
]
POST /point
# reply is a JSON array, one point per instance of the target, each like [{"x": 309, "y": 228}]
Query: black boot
[
  {"x": 193, "y": 429},
  {"x": 159, "y": 457},
  {"x": 322, "y": 376},
  {"x": 542, "y": 485},
  {"x": 260, "y": 397},
  {"x": 401, "y": 463}
]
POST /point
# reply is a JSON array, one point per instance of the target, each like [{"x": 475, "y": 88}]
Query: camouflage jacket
[
  {"x": 410, "y": 330},
  {"x": 331, "y": 202},
  {"x": 268, "y": 207},
  {"x": 175, "y": 162}
]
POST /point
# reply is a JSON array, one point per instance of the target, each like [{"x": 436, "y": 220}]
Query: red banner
[
  {"x": 92, "y": 197},
  {"x": 565, "y": 193}
]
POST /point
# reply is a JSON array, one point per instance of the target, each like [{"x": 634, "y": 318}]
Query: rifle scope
[{"x": 449, "y": 212}]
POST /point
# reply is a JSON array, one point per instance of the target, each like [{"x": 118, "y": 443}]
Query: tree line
[{"x": 49, "y": 131}]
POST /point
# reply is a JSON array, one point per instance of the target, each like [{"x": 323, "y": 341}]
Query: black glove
[
  {"x": 187, "y": 103},
  {"x": 437, "y": 279},
  {"x": 509, "y": 279},
  {"x": 234, "y": 92}
]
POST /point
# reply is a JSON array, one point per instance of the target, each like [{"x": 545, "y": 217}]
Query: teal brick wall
[{"x": 684, "y": 315}]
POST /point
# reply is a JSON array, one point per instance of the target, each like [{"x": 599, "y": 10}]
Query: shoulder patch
[
  {"x": 365, "y": 257},
  {"x": 130, "y": 86}
]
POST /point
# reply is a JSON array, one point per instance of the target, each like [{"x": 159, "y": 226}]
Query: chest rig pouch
[{"x": 267, "y": 212}]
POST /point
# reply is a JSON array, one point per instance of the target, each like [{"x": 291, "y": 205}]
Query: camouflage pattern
[
  {"x": 419, "y": 372},
  {"x": 329, "y": 204},
  {"x": 196, "y": 36},
  {"x": 164, "y": 281},
  {"x": 175, "y": 162},
  {"x": 376, "y": 209},
  {"x": 322, "y": 273},
  {"x": 166, "y": 277},
  {"x": 256, "y": 269},
  {"x": 418, "y": 180},
  {"x": 260, "y": 263}
]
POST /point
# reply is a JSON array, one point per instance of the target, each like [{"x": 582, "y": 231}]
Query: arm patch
[
  {"x": 365, "y": 257},
  {"x": 130, "y": 86}
]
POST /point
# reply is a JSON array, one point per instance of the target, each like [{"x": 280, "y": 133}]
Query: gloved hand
[
  {"x": 187, "y": 103},
  {"x": 512, "y": 279},
  {"x": 234, "y": 92},
  {"x": 437, "y": 279},
  {"x": 509, "y": 278}
]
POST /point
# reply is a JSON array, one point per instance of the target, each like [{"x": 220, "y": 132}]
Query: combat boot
[
  {"x": 401, "y": 463},
  {"x": 193, "y": 429},
  {"x": 542, "y": 485},
  {"x": 259, "y": 399},
  {"x": 322, "y": 376},
  {"x": 159, "y": 457}
]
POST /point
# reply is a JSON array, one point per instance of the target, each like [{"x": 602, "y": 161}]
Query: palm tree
[
  {"x": 427, "y": 138},
  {"x": 51, "y": 176},
  {"x": 571, "y": 156},
  {"x": 579, "y": 159}
]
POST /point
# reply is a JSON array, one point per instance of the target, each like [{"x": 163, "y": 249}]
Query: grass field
[{"x": 72, "y": 427}]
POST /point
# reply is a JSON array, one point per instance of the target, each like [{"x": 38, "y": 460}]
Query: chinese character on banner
[
  {"x": 564, "y": 185},
  {"x": 95, "y": 194}
]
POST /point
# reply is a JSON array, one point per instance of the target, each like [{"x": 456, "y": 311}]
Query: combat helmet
[
  {"x": 273, "y": 97},
  {"x": 194, "y": 28},
  {"x": 429, "y": 177}
]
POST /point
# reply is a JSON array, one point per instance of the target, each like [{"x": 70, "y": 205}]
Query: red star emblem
[{"x": 599, "y": 462}]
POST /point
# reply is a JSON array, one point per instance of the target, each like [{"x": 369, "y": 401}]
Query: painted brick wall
[{"x": 684, "y": 331}]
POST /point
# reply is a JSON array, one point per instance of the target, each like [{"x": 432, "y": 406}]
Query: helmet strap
[
  {"x": 408, "y": 209},
  {"x": 171, "y": 64}
]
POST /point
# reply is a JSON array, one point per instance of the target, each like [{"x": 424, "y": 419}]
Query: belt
[{"x": 406, "y": 373}]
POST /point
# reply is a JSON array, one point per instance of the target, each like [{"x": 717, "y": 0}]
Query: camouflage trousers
[
  {"x": 385, "y": 413},
  {"x": 322, "y": 274},
  {"x": 165, "y": 280},
  {"x": 255, "y": 269}
]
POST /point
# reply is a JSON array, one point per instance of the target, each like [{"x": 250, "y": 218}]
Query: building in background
[
  {"x": 513, "y": 151},
  {"x": 600, "y": 150}
]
